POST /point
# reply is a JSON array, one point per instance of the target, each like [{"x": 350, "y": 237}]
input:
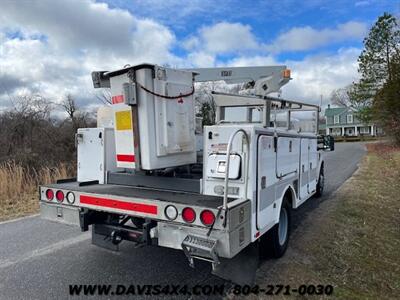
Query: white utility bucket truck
[{"x": 143, "y": 176}]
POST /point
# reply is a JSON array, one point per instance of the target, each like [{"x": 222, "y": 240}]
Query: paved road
[
  {"x": 339, "y": 166},
  {"x": 39, "y": 259}
]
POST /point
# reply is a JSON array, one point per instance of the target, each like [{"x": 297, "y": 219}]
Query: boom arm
[{"x": 266, "y": 79}]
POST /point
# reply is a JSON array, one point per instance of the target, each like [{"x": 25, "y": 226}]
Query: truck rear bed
[{"x": 115, "y": 190}]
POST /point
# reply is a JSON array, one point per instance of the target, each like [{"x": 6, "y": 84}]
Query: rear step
[{"x": 200, "y": 248}]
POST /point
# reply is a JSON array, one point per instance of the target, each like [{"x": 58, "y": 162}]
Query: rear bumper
[
  {"x": 229, "y": 243},
  {"x": 104, "y": 211},
  {"x": 60, "y": 213}
]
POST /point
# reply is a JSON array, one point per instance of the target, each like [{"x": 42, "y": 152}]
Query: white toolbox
[{"x": 96, "y": 154}]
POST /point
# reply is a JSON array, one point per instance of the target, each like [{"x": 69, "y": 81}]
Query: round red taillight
[
  {"x": 49, "y": 194},
  {"x": 207, "y": 217},
  {"x": 60, "y": 196},
  {"x": 188, "y": 215}
]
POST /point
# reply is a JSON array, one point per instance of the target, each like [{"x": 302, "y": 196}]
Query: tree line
[
  {"x": 376, "y": 96},
  {"x": 31, "y": 135}
]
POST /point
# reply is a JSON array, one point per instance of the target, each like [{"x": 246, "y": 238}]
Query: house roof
[{"x": 329, "y": 112}]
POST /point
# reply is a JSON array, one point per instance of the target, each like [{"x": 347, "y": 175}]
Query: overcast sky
[{"x": 51, "y": 47}]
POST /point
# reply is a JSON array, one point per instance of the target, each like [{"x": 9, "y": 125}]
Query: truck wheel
[
  {"x": 276, "y": 240},
  {"x": 320, "y": 184}
]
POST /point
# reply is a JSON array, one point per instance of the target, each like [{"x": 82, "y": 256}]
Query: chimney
[{"x": 329, "y": 106}]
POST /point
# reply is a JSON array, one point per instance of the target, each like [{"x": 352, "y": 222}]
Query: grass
[
  {"x": 351, "y": 241},
  {"x": 359, "y": 249},
  {"x": 19, "y": 187}
]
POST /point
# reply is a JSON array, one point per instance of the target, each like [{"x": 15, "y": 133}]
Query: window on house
[
  {"x": 364, "y": 130},
  {"x": 336, "y": 131},
  {"x": 336, "y": 119},
  {"x": 349, "y": 119}
]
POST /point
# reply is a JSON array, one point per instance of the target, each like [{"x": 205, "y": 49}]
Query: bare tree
[
  {"x": 22, "y": 128},
  {"x": 341, "y": 97},
  {"x": 78, "y": 117},
  {"x": 104, "y": 96},
  {"x": 34, "y": 137},
  {"x": 68, "y": 104},
  {"x": 347, "y": 97},
  {"x": 204, "y": 101}
]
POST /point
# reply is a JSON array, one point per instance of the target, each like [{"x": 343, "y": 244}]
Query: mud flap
[{"x": 242, "y": 268}]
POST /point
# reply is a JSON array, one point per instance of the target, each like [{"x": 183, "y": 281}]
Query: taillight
[
  {"x": 60, "y": 196},
  {"x": 188, "y": 215},
  {"x": 207, "y": 217},
  {"x": 49, "y": 194},
  {"x": 70, "y": 197},
  {"x": 171, "y": 212}
]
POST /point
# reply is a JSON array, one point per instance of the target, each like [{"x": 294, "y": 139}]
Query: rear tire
[
  {"x": 276, "y": 240},
  {"x": 320, "y": 184}
]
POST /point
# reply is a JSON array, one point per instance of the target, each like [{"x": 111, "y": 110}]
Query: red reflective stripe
[
  {"x": 117, "y": 99},
  {"x": 103, "y": 202},
  {"x": 125, "y": 157}
]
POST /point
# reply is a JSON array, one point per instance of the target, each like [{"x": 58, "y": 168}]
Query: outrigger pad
[{"x": 242, "y": 268}]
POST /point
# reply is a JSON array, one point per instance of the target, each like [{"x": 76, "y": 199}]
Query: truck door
[{"x": 266, "y": 181}]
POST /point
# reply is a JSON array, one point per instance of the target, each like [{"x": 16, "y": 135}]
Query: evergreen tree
[
  {"x": 386, "y": 104},
  {"x": 382, "y": 49},
  {"x": 382, "y": 45}
]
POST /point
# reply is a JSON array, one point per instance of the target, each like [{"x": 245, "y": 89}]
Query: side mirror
[
  {"x": 326, "y": 143},
  {"x": 329, "y": 142}
]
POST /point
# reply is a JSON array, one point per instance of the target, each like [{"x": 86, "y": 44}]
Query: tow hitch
[
  {"x": 200, "y": 248},
  {"x": 109, "y": 236}
]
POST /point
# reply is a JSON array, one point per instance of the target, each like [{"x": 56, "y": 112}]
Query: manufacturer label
[
  {"x": 219, "y": 147},
  {"x": 226, "y": 73}
]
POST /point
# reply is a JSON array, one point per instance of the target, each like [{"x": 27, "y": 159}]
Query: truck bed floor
[{"x": 144, "y": 193}]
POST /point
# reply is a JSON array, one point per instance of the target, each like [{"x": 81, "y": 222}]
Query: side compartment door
[
  {"x": 313, "y": 166},
  {"x": 266, "y": 181},
  {"x": 287, "y": 158},
  {"x": 304, "y": 168}
]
